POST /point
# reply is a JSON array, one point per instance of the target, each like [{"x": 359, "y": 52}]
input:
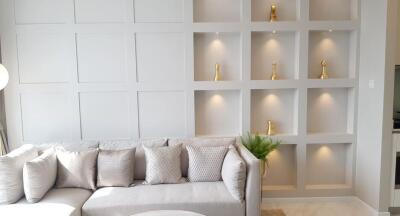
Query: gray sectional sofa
[{"x": 208, "y": 198}]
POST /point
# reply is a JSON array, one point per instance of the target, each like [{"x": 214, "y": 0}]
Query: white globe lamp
[{"x": 3, "y": 77}]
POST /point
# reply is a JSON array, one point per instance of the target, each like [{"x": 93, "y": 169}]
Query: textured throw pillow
[
  {"x": 163, "y": 165},
  {"x": 39, "y": 176},
  {"x": 76, "y": 169},
  {"x": 205, "y": 142},
  {"x": 205, "y": 163},
  {"x": 11, "y": 166},
  {"x": 234, "y": 174},
  {"x": 115, "y": 168}
]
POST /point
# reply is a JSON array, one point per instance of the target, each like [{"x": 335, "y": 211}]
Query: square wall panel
[
  {"x": 101, "y": 58},
  {"x": 328, "y": 110},
  {"x": 217, "y": 11},
  {"x": 222, "y": 48},
  {"x": 147, "y": 11},
  {"x": 103, "y": 11},
  {"x": 43, "y": 11},
  {"x": 160, "y": 57},
  {"x": 279, "y": 106},
  {"x": 46, "y": 116},
  {"x": 269, "y": 48},
  {"x": 105, "y": 115},
  {"x": 218, "y": 113},
  {"x": 162, "y": 114},
  {"x": 328, "y": 164},
  {"x": 333, "y": 10},
  {"x": 46, "y": 58}
]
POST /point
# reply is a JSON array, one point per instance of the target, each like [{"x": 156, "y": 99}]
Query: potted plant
[{"x": 260, "y": 147}]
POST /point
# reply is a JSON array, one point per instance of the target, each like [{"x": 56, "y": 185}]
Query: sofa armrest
[{"x": 253, "y": 182}]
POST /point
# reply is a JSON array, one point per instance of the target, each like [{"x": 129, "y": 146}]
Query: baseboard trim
[{"x": 371, "y": 210}]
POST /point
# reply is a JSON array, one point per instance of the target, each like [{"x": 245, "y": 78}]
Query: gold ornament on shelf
[
  {"x": 272, "y": 15},
  {"x": 274, "y": 75},
  {"x": 270, "y": 128},
  {"x": 324, "y": 73},
  {"x": 217, "y": 75}
]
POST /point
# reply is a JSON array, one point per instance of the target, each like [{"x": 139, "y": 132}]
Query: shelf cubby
[
  {"x": 329, "y": 166},
  {"x": 222, "y": 48},
  {"x": 279, "y": 106},
  {"x": 338, "y": 10},
  {"x": 268, "y": 48},
  {"x": 217, "y": 11},
  {"x": 338, "y": 48},
  {"x": 282, "y": 169},
  {"x": 330, "y": 111},
  {"x": 217, "y": 113},
  {"x": 286, "y": 10}
]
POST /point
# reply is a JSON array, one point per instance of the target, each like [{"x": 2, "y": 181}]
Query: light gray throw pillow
[
  {"x": 115, "y": 168},
  {"x": 11, "y": 166},
  {"x": 234, "y": 173},
  {"x": 205, "y": 163},
  {"x": 76, "y": 169},
  {"x": 40, "y": 175},
  {"x": 163, "y": 165}
]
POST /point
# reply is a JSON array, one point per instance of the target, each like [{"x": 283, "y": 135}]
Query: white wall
[
  {"x": 2, "y": 111},
  {"x": 398, "y": 37},
  {"x": 375, "y": 102}
]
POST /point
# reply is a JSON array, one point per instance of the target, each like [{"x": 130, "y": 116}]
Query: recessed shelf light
[
  {"x": 274, "y": 32},
  {"x": 330, "y": 30}
]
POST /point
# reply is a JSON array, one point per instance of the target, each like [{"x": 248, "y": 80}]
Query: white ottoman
[{"x": 168, "y": 213}]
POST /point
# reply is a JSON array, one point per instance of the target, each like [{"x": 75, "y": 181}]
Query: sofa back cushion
[
  {"x": 198, "y": 142},
  {"x": 140, "y": 159},
  {"x": 40, "y": 175},
  {"x": 68, "y": 146},
  {"x": 76, "y": 169},
  {"x": 11, "y": 166}
]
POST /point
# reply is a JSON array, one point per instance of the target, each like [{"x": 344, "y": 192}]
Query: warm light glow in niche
[
  {"x": 324, "y": 153},
  {"x": 327, "y": 45},
  {"x": 272, "y": 99},
  {"x": 217, "y": 101},
  {"x": 275, "y": 155},
  {"x": 326, "y": 100},
  {"x": 272, "y": 49}
]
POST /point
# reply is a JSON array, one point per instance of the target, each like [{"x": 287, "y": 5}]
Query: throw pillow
[
  {"x": 163, "y": 165},
  {"x": 39, "y": 176},
  {"x": 11, "y": 166},
  {"x": 115, "y": 168},
  {"x": 234, "y": 173},
  {"x": 76, "y": 169},
  {"x": 205, "y": 163}
]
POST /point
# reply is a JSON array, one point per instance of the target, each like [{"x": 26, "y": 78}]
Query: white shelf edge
[
  {"x": 330, "y": 138},
  {"x": 328, "y": 187}
]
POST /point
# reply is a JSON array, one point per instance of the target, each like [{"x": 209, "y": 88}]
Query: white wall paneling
[
  {"x": 148, "y": 11},
  {"x": 268, "y": 48},
  {"x": 105, "y": 115},
  {"x": 162, "y": 114},
  {"x": 217, "y": 47},
  {"x": 217, "y": 11},
  {"x": 137, "y": 69},
  {"x": 167, "y": 63},
  {"x": 287, "y": 10}
]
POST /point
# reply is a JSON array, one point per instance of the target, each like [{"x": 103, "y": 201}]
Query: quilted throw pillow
[
  {"x": 163, "y": 165},
  {"x": 205, "y": 163}
]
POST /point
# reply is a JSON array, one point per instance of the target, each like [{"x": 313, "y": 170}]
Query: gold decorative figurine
[
  {"x": 270, "y": 128},
  {"x": 324, "y": 73},
  {"x": 274, "y": 76},
  {"x": 217, "y": 75},
  {"x": 272, "y": 16}
]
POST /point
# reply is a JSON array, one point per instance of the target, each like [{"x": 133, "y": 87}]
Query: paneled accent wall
[{"x": 137, "y": 69}]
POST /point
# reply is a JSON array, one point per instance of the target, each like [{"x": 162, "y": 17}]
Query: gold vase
[
  {"x": 324, "y": 72},
  {"x": 274, "y": 75},
  {"x": 217, "y": 73},
  {"x": 270, "y": 130},
  {"x": 273, "y": 16},
  {"x": 262, "y": 168}
]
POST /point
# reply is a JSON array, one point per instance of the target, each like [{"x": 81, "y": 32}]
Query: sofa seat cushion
[
  {"x": 208, "y": 198},
  {"x": 60, "y": 202}
]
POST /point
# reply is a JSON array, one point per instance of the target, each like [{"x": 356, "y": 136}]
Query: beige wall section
[
  {"x": 398, "y": 36},
  {"x": 377, "y": 58}
]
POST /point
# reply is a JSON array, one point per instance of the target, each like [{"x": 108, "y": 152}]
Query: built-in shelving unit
[{"x": 163, "y": 62}]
